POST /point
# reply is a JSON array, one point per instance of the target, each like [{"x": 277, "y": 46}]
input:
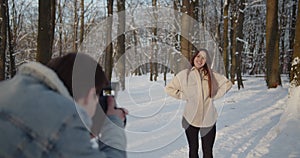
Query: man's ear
[{"x": 90, "y": 95}]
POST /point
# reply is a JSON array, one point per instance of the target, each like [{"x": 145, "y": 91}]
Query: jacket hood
[
  {"x": 46, "y": 76},
  {"x": 49, "y": 78}
]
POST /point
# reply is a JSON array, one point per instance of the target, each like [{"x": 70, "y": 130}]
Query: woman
[{"x": 199, "y": 86}]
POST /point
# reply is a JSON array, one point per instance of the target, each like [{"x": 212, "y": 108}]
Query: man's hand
[{"x": 111, "y": 110}]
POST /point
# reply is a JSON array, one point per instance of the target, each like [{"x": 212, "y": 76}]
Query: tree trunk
[
  {"x": 175, "y": 67},
  {"x": 194, "y": 25},
  {"x": 75, "y": 28},
  {"x": 45, "y": 30},
  {"x": 153, "y": 65},
  {"x": 225, "y": 37},
  {"x": 109, "y": 49},
  {"x": 239, "y": 43},
  {"x": 293, "y": 24},
  {"x": 81, "y": 37},
  {"x": 3, "y": 37},
  {"x": 219, "y": 27},
  {"x": 202, "y": 14},
  {"x": 12, "y": 63},
  {"x": 120, "y": 58},
  {"x": 272, "y": 45},
  {"x": 292, "y": 32},
  {"x": 60, "y": 30},
  {"x": 185, "y": 28},
  {"x": 297, "y": 45},
  {"x": 233, "y": 41},
  {"x": 11, "y": 43},
  {"x": 282, "y": 37},
  {"x": 99, "y": 115},
  {"x": 138, "y": 56}
]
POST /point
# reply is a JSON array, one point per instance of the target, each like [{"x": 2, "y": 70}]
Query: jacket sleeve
[
  {"x": 113, "y": 139},
  {"x": 224, "y": 85},
  {"x": 174, "y": 88},
  {"x": 75, "y": 141}
]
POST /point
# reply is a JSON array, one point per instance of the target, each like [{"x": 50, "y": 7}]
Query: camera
[{"x": 106, "y": 92}]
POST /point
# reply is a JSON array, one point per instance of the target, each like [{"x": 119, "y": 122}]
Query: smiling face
[{"x": 200, "y": 60}]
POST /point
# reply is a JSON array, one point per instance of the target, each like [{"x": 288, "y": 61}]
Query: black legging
[{"x": 208, "y": 135}]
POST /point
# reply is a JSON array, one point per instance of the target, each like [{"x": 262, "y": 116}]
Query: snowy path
[
  {"x": 245, "y": 127},
  {"x": 257, "y": 115}
]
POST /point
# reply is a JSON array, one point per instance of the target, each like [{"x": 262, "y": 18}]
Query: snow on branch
[{"x": 241, "y": 40}]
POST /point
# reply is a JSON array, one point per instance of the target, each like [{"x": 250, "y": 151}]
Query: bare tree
[
  {"x": 297, "y": 47},
  {"x": 120, "y": 58},
  {"x": 282, "y": 34},
  {"x": 233, "y": 17},
  {"x": 153, "y": 65},
  {"x": 109, "y": 44},
  {"x": 12, "y": 65},
  {"x": 176, "y": 7},
  {"x": 82, "y": 30},
  {"x": 60, "y": 27},
  {"x": 297, "y": 35},
  {"x": 272, "y": 45},
  {"x": 185, "y": 28},
  {"x": 254, "y": 35},
  {"x": 252, "y": 57},
  {"x": 237, "y": 41},
  {"x": 189, "y": 29},
  {"x": 293, "y": 24},
  {"x": 75, "y": 27},
  {"x": 45, "y": 30},
  {"x": 3, "y": 37},
  {"x": 225, "y": 37}
]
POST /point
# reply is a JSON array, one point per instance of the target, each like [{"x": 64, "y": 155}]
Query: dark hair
[
  {"x": 207, "y": 71},
  {"x": 206, "y": 66},
  {"x": 79, "y": 73}
]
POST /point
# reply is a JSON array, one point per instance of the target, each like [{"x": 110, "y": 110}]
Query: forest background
[{"x": 253, "y": 37}]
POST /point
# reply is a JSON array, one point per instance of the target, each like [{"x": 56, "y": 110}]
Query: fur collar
[
  {"x": 45, "y": 75},
  {"x": 49, "y": 78}
]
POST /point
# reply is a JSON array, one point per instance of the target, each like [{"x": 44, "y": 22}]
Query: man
[{"x": 47, "y": 112}]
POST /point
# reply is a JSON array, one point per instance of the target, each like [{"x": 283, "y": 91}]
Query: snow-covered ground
[{"x": 253, "y": 122}]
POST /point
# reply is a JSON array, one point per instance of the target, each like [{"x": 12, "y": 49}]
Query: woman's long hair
[{"x": 213, "y": 84}]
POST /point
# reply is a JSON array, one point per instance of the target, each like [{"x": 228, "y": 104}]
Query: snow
[{"x": 253, "y": 122}]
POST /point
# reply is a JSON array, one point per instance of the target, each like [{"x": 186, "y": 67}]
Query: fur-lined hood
[
  {"x": 49, "y": 78},
  {"x": 46, "y": 76}
]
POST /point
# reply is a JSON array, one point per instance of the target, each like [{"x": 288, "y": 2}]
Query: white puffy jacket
[{"x": 199, "y": 110}]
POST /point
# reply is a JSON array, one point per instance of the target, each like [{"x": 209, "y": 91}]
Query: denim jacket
[{"x": 38, "y": 118}]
